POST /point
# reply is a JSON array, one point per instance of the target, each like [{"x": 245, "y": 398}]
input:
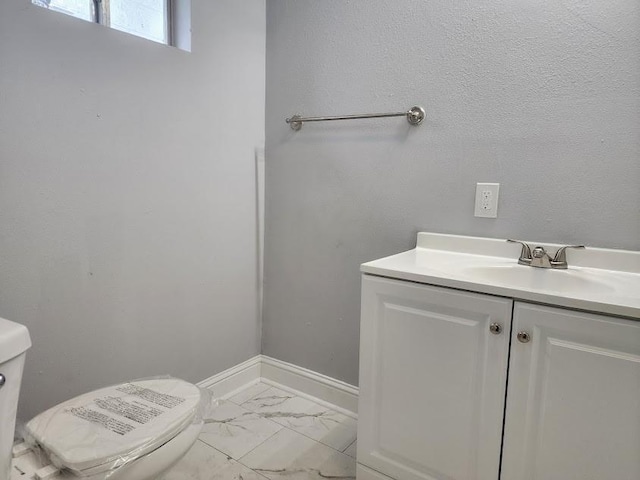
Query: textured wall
[
  {"x": 542, "y": 97},
  {"x": 127, "y": 196}
]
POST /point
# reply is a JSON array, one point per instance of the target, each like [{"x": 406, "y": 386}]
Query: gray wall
[
  {"x": 542, "y": 97},
  {"x": 127, "y": 196}
]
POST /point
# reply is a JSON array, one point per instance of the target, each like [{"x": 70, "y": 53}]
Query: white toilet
[{"x": 133, "y": 431}]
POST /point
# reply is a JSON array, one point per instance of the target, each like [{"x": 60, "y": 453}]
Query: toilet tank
[{"x": 14, "y": 342}]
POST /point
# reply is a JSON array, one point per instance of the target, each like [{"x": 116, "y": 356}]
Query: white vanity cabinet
[
  {"x": 573, "y": 401},
  {"x": 433, "y": 377},
  {"x": 433, "y": 368}
]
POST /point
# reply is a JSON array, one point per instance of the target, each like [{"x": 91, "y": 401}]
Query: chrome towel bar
[{"x": 415, "y": 116}]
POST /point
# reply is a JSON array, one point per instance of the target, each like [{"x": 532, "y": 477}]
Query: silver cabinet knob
[
  {"x": 3, "y": 380},
  {"x": 495, "y": 328},
  {"x": 524, "y": 337}
]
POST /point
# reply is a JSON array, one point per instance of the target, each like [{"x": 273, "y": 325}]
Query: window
[
  {"x": 149, "y": 19},
  {"x": 145, "y": 18},
  {"x": 76, "y": 8}
]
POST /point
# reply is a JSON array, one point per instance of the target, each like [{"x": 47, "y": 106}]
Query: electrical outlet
[{"x": 487, "y": 200}]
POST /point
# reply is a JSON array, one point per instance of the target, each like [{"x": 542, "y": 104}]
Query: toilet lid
[{"x": 107, "y": 428}]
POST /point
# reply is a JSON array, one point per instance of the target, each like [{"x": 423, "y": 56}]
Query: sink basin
[
  {"x": 598, "y": 279},
  {"x": 522, "y": 276}
]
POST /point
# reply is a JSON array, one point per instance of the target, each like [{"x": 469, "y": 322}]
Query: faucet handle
[
  {"x": 560, "y": 258},
  {"x": 525, "y": 254}
]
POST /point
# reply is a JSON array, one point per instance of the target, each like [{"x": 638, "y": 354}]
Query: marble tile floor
[{"x": 263, "y": 433}]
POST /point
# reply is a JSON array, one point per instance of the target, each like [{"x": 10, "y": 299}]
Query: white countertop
[{"x": 599, "y": 280}]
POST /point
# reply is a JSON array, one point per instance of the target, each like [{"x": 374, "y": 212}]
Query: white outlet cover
[{"x": 487, "y": 200}]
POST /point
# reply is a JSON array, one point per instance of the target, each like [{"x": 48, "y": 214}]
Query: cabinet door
[
  {"x": 573, "y": 403},
  {"x": 432, "y": 381}
]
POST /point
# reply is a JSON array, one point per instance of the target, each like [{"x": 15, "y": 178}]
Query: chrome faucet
[{"x": 539, "y": 258}]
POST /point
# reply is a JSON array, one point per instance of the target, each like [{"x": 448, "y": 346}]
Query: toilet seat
[{"x": 105, "y": 429}]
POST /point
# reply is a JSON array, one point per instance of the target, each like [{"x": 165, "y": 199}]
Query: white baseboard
[
  {"x": 330, "y": 390},
  {"x": 299, "y": 380},
  {"x": 234, "y": 378},
  {"x": 365, "y": 473}
]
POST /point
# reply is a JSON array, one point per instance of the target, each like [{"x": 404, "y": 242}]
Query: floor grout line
[
  {"x": 230, "y": 458},
  {"x": 253, "y": 413},
  {"x": 319, "y": 442},
  {"x": 292, "y": 429},
  {"x": 326, "y": 409},
  {"x": 261, "y": 443},
  {"x": 349, "y": 446}
]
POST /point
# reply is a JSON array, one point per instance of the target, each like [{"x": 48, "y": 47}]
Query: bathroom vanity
[{"x": 475, "y": 367}]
